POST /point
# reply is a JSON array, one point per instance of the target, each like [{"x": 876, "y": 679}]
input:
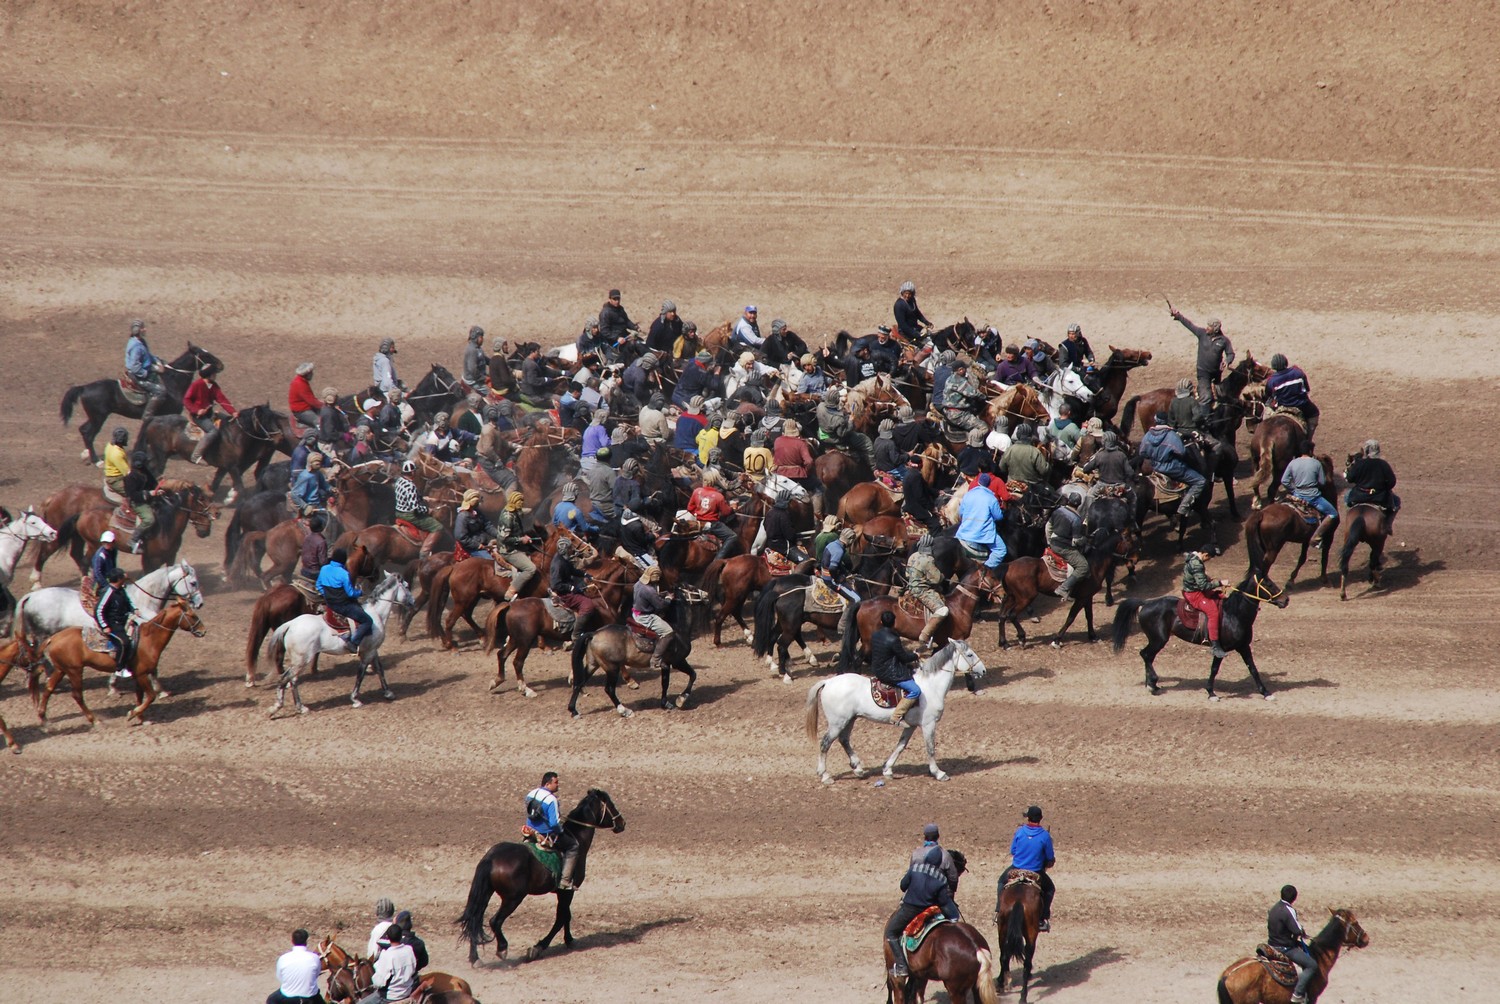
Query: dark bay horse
[
  {"x": 1364, "y": 523},
  {"x": 103, "y": 398},
  {"x": 261, "y": 511},
  {"x": 973, "y": 590},
  {"x": 1276, "y": 442},
  {"x": 1025, "y": 579},
  {"x": 511, "y": 871},
  {"x": 612, "y": 651},
  {"x": 1112, "y": 377},
  {"x": 1247, "y": 981},
  {"x": 249, "y": 440},
  {"x": 182, "y": 503},
  {"x": 1158, "y": 619},
  {"x": 956, "y": 955},
  {"x": 1018, "y": 922},
  {"x": 734, "y": 579},
  {"x": 838, "y": 471},
  {"x": 439, "y": 390},
  {"x": 1143, "y": 407},
  {"x": 1269, "y": 529}
]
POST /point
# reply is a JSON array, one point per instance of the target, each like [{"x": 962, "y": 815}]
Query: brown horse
[
  {"x": 955, "y": 954},
  {"x": 372, "y": 548},
  {"x": 61, "y": 510},
  {"x": 66, "y": 655},
  {"x": 17, "y": 651},
  {"x": 516, "y": 628},
  {"x": 867, "y": 500},
  {"x": 1018, "y": 922},
  {"x": 973, "y": 589},
  {"x": 1113, "y": 375},
  {"x": 181, "y": 503},
  {"x": 1027, "y": 578},
  {"x": 1365, "y": 523},
  {"x": 1274, "y": 444},
  {"x": 734, "y": 579},
  {"x": 514, "y": 872},
  {"x": 282, "y": 544},
  {"x": 1278, "y": 524},
  {"x": 274, "y": 608},
  {"x": 249, "y": 440},
  {"x": 1143, "y": 407},
  {"x": 613, "y": 651},
  {"x": 351, "y": 978},
  {"x": 426, "y": 571},
  {"x": 1248, "y": 981},
  {"x": 838, "y": 472},
  {"x": 468, "y": 581}
]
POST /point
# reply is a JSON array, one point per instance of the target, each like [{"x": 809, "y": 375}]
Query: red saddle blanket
[
  {"x": 335, "y": 620},
  {"x": 777, "y": 563},
  {"x": 410, "y": 532},
  {"x": 460, "y": 553},
  {"x": 1056, "y": 566},
  {"x": 1188, "y": 616},
  {"x": 884, "y": 695},
  {"x": 920, "y": 921}
]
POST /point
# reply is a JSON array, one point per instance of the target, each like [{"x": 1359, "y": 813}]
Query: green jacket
[
  {"x": 821, "y": 541},
  {"x": 1195, "y": 578},
  {"x": 1185, "y": 413},
  {"x": 1024, "y": 462}
]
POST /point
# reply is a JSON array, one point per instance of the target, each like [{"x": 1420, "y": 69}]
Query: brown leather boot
[
  {"x": 1324, "y": 528},
  {"x": 898, "y": 717}
]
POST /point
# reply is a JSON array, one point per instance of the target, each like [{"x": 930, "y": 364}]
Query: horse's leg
[
  {"x": 889, "y": 768},
  {"x": 561, "y": 920},
  {"x": 846, "y": 740},
  {"x": 1026, "y": 966},
  {"x": 611, "y": 681},
  {"x": 1323, "y": 548},
  {"x": 145, "y": 694},
  {"x": 519, "y": 666},
  {"x": 578, "y": 682},
  {"x": 75, "y": 683},
  {"x": 824, "y": 742},
  {"x": 1148, "y": 656},
  {"x": 1068, "y": 622},
  {"x": 1249, "y": 658},
  {"x": 508, "y": 906},
  {"x": 359, "y": 679},
  {"x": 929, "y": 737},
  {"x": 1213, "y": 672},
  {"x": 1301, "y": 560},
  {"x": 692, "y": 678},
  {"x": 385, "y": 688},
  {"x": 1377, "y": 563}
]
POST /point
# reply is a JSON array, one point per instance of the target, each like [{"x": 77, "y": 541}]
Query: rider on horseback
[
  {"x": 568, "y": 583},
  {"x": 140, "y": 488},
  {"x": 116, "y": 465},
  {"x": 919, "y": 500},
  {"x": 1024, "y": 461},
  {"x": 145, "y": 369},
  {"x": 708, "y": 505},
  {"x": 1074, "y": 351},
  {"x": 979, "y": 515},
  {"x": 510, "y": 538},
  {"x": 647, "y": 604},
  {"x": 1284, "y": 933},
  {"x": 1113, "y": 467},
  {"x": 542, "y": 816},
  {"x": 923, "y": 581},
  {"x": 471, "y": 527},
  {"x": 1164, "y": 448},
  {"x": 837, "y": 429},
  {"x": 1065, "y": 535},
  {"x": 1371, "y": 481},
  {"x": 1304, "y": 478},
  {"x": 1214, "y": 352},
  {"x": 314, "y": 549},
  {"x": 1188, "y": 416},
  {"x": 1031, "y": 850},
  {"x": 1202, "y": 594},
  {"x": 311, "y": 491},
  {"x": 341, "y": 595},
  {"x": 961, "y": 398},
  {"x": 199, "y": 400},
  {"x": 837, "y": 562},
  {"x": 1287, "y": 388},
  {"x": 779, "y": 530},
  {"x": 891, "y": 663},
  {"x": 112, "y": 616},
  {"x": 412, "y": 507},
  {"x": 930, "y": 880}
]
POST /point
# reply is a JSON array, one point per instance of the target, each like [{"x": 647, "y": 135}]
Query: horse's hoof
[
  {"x": 786, "y": 677},
  {"x": 633, "y": 685},
  {"x": 498, "y": 686},
  {"x": 812, "y": 659},
  {"x": 749, "y": 638},
  {"x": 770, "y": 662},
  {"x": 623, "y": 711},
  {"x": 527, "y": 691},
  {"x": 84, "y": 456},
  {"x": 1269, "y": 697},
  {"x": 827, "y": 779},
  {"x": 534, "y": 952},
  {"x": 354, "y": 700},
  {"x": 1154, "y": 691},
  {"x": 681, "y": 701},
  {"x": 302, "y": 709},
  {"x": 389, "y": 695},
  {"x": 667, "y": 706},
  {"x": 1035, "y": 619},
  {"x": 1214, "y": 698},
  {"x": 14, "y": 748},
  {"x": 1057, "y": 644},
  {"x": 861, "y": 772},
  {"x": 249, "y": 683},
  {"x": 502, "y": 953},
  {"x": 888, "y": 773},
  {"x": 940, "y": 776}
]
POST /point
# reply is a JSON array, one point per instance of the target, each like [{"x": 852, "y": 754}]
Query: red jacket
[
  {"x": 201, "y": 395},
  {"x": 793, "y": 458},
  {"x": 997, "y": 486},
  {"x": 708, "y": 504},
  {"x": 301, "y": 397}
]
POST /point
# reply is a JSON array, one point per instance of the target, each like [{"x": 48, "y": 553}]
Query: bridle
[
  {"x": 255, "y": 430},
  {"x": 443, "y": 391},
  {"x": 349, "y": 965},
  {"x": 611, "y": 817},
  {"x": 19, "y": 528},
  {"x": 1258, "y": 591},
  {"x": 175, "y": 576}
]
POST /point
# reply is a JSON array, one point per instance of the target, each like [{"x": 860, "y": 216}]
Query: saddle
[
  {"x": 909, "y": 604},
  {"x": 821, "y": 598},
  {"x": 410, "y": 532},
  {"x": 777, "y": 563},
  {"x": 97, "y": 641},
  {"x": 1282, "y": 969},
  {"x": 541, "y": 847},
  {"x": 921, "y": 926},
  {"x": 1305, "y": 509},
  {"x": 973, "y": 551},
  {"x": 1167, "y": 489},
  {"x": 88, "y": 595},
  {"x": 123, "y": 519},
  {"x": 309, "y": 591},
  {"x": 131, "y": 390},
  {"x": 561, "y": 615},
  {"x": 883, "y": 694},
  {"x": 1055, "y": 565},
  {"x": 914, "y": 528},
  {"x": 1294, "y": 413},
  {"x": 335, "y": 620},
  {"x": 1105, "y": 490},
  {"x": 460, "y": 553},
  {"x": 1023, "y": 876},
  {"x": 1191, "y": 618},
  {"x": 645, "y": 639}
]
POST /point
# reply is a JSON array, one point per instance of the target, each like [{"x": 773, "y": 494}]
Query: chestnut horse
[
  {"x": 468, "y": 581},
  {"x": 1247, "y": 981},
  {"x": 955, "y": 954},
  {"x": 1018, "y": 922},
  {"x": 1365, "y": 523},
  {"x": 1269, "y": 529},
  {"x": 65, "y": 654},
  {"x": 1143, "y": 407},
  {"x": 838, "y": 472},
  {"x": 61, "y": 510},
  {"x": 513, "y": 872},
  {"x": 181, "y": 503},
  {"x": 1025, "y": 579},
  {"x": 866, "y": 501},
  {"x": 17, "y": 651},
  {"x": 734, "y": 579},
  {"x": 351, "y": 978},
  {"x": 1112, "y": 377},
  {"x": 1276, "y": 442},
  {"x": 976, "y": 588},
  {"x": 372, "y": 548},
  {"x": 282, "y": 544}
]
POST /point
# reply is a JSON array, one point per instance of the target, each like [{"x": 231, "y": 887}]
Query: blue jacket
[
  {"x": 694, "y": 380},
  {"x": 1288, "y": 388},
  {"x": 139, "y": 362},
  {"x": 311, "y": 488},
  {"x": 1031, "y": 848},
  {"x": 925, "y": 885},
  {"x": 336, "y": 576},
  {"x": 566, "y": 513},
  {"x": 835, "y": 559},
  {"x": 541, "y": 812},
  {"x": 685, "y": 433},
  {"x": 102, "y": 565},
  {"x": 1163, "y": 447},
  {"x": 977, "y": 515}
]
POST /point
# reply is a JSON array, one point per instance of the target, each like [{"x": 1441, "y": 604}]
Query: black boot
[{"x": 569, "y": 863}]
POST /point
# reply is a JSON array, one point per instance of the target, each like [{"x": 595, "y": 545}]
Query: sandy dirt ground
[{"x": 291, "y": 187}]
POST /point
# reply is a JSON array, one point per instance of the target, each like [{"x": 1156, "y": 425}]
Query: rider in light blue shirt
[
  {"x": 978, "y": 516},
  {"x": 543, "y": 817}
]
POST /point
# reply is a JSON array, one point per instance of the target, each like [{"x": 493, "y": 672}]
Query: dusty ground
[{"x": 298, "y": 185}]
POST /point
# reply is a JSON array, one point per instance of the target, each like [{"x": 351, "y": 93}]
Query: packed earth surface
[{"x": 280, "y": 184}]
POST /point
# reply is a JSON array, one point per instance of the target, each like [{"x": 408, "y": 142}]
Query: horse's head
[
  {"x": 1127, "y": 358},
  {"x": 1354, "y": 935},
  {"x": 598, "y": 809},
  {"x": 201, "y": 510},
  {"x": 198, "y": 358},
  {"x": 394, "y": 588},
  {"x": 178, "y": 615},
  {"x": 1259, "y": 587},
  {"x": 1070, "y": 383},
  {"x": 30, "y": 526}
]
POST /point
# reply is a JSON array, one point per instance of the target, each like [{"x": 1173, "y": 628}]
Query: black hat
[
  {"x": 1034, "y": 814},
  {"x": 930, "y": 831},
  {"x": 614, "y": 294}
]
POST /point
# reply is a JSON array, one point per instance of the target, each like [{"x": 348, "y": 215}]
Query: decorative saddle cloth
[
  {"x": 1190, "y": 617},
  {"x": 123, "y": 519},
  {"x": 922, "y": 925},
  {"x": 1295, "y": 414},
  {"x": 542, "y": 847},
  {"x": 1167, "y": 489},
  {"x": 131, "y": 390},
  {"x": 1107, "y": 490},
  {"x": 821, "y": 598},
  {"x": 777, "y": 563},
  {"x": 1056, "y": 566},
  {"x": 410, "y": 531},
  {"x": 914, "y": 529},
  {"x": 561, "y": 615},
  {"x": 883, "y": 694},
  {"x": 1305, "y": 509},
  {"x": 1282, "y": 969},
  {"x": 909, "y": 604},
  {"x": 645, "y": 639},
  {"x": 97, "y": 641},
  {"x": 335, "y": 620},
  {"x": 1022, "y": 876}
]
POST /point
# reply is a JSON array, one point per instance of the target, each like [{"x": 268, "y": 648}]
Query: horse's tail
[
  {"x": 68, "y": 400},
  {"x": 258, "y": 628},
  {"x": 1013, "y": 945},
  {"x": 246, "y": 562},
  {"x": 1254, "y": 543},
  {"x": 1124, "y": 616},
  {"x": 1128, "y": 416},
  {"x": 580, "y": 649},
  {"x": 232, "y": 537},
  {"x": 711, "y": 576},
  {"x": 495, "y": 630},
  {"x": 471, "y": 922},
  {"x": 277, "y": 649},
  {"x": 1224, "y": 997},
  {"x": 848, "y": 650},
  {"x": 1265, "y": 466},
  {"x": 765, "y": 622},
  {"x": 814, "y": 702},
  {"x": 988, "y": 993},
  {"x": 438, "y": 601}
]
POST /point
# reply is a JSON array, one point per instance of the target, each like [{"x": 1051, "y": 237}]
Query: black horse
[
  {"x": 438, "y": 391},
  {"x": 514, "y": 872},
  {"x": 104, "y": 398},
  {"x": 261, "y": 511},
  {"x": 1158, "y": 618},
  {"x": 249, "y": 440}
]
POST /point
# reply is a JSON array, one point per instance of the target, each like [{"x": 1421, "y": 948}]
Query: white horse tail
[
  {"x": 277, "y": 650},
  {"x": 986, "y": 988},
  {"x": 813, "y": 696}
]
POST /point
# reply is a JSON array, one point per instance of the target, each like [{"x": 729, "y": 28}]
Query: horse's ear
[
  {"x": 1332, "y": 912},
  {"x": 1113, "y": 349}
]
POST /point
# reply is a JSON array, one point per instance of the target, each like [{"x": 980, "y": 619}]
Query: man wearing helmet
[
  {"x": 145, "y": 369},
  {"x": 1214, "y": 353},
  {"x": 1065, "y": 536},
  {"x": 1287, "y": 387},
  {"x": 412, "y": 507},
  {"x": 112, "y": 616},
  {"x": 812, "y": 379},
  {"x": 476, "y": 372},
  {"x": 961, "y": 398},
  {"x": 924, "y": 581},
  {"x": 838, "y": 430},
  {"x": 383, "y": 367},
  {"x": 909, "y": 317}
]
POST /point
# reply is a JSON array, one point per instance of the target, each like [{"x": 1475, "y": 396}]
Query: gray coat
[{"x": 1214, "y": 349}]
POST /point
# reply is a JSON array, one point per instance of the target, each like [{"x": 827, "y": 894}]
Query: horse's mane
[{"x": 1332, "y": 936}]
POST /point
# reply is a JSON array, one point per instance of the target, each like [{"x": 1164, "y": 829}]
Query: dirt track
[{"x": 395, "y": 174}]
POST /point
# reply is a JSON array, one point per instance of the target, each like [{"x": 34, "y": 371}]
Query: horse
[
  {"x": 371, "y": 548},
  {"x": 103, "y": 398},
  {"x": 66, "y": 654},
  {"x": 251, "y": 438},
  {"x": 61, "y": 510},
  {"x": 1143, "y": 407},
  {"x": 845, "y": 697},
  {"x": 350, "y": 978},
  {"x": 305, "y": 637},
  {"x": 1269, "y": 528},
  {"x": 1018, "y": 923},
  {"x": 518, "y": 627},
  {"x": 1024, "y": 579},
  {"x": 839, "y": 471},
  {"x": 612, "y": 650},
  {"x": 1276, "y": 442},
  {"x": 1364, "y": 523},
  {"x": 181, "y": 503},
  {"x": 272, "y": 609},
  {"x": 735, "y": 579},
  {"x": 1112, "y": 377},
  {"x": 467, "y": 581},
  {"x": 1063, "y": 385},
  {"x": 44, "y": 612},
  {"x": 976, "y": 587},
  {"x": 1248, "y": 981},
  {"x": 16, "y": 651},
  {"x": 867, "y": 500},
  {"x": 14, "y": 536},
  {"x": 282, "y": 544},
  {"x": 513, "y": 872},
  {"x": 438, "y": 391},
  {"x": 955, "y": 953},
  {"x": 1158, "y": 619},
  {"x": 779, "y": 618},
  {"x": 262, "y": 511}
]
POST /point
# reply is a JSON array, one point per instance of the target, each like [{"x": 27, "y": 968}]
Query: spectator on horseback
[
  {"x": 1285, "y": 933},
  {"x": 811, "y": 380},
  {"x": 915, "y": 431},
  {"x": 979, "y": 516},
  {"x": 390, "y": 422},
  {"x": 297, "y": 971},
  {"x": 639, "y": 379},
  {"x": 314, "y": 549},
  {"x": 778, "y": 531},
  {"x": 385, "y": 916},
  {"x": 311, "y": 491},
  {"x": 199, "y": 400},
  {"x": 647, "y": 605},
  {"x": 942, "y": 372},
  {"x": 383, "y": 367},
  {"x": 836, "y": 563},
  {"x": 300, "y": 399},
  {"x": 1372, "y": 481},
  {"x": 653, "y": 420},
  {"x": 837, "y": 429},
  {"x": 1063, "y": 431},
  {"x": 104, "y": 561},
  {"x": 665, "y": 330},
  {"x": 116, "y": 465},
  {"x": 1214, "y": 353},
  {"x": 1287, "y": 387},
  {"x": 615, "y": 325},
  {"x": 976, "y": 456},
  {"x": 545, "y": 819},
  {"x": 1202, "y": 594},
  {"x": 601, "y": 480},
  {"x": 758, "y": 459},
  {"x": 568, "y": 582},
  {"x": 1065, "y": 536},
  {"x": 884, "y": 351},
  {"x": 112, "y": 616},
  {"x": 791, "y": 457},
  {"x": 412, "y": 507},
  {"x": 1164, "y": 448},
  {"x": 892, "y": 663},
  {"x": 708, "y": 505},
  {"x": 919, "y": 500},
  {"x": 1040, "y": 357},
  {"x": 637, "y": 539},
  {"x": 908, "y": 316},
  {"x": 471, "y": 527},
  {"x": 468, "y": 425},
  {"x": 409, "y": 937},
  {"x": 1031, "y": 850},
  {"x": 535, "y": 383},
  {"x": 924, "y": 582},
  {"x": 567, "y": 514},
  {"x": 961, "y": 398},
  {"x": 696, "y": 380},
  {"x": 341, "y": 595},
  {"x": 689, "y": 424},
  {"x": 627, "y": 492},
  {"x": 304, "y": 449},
  {"x": 1023, "y": 461},
  {"x": 1304, "y": 478},
  {"x": 395, "y": 977},
  {"x": 1113, "y": 468},
  {"x": 445, "y": 442},
  {"x": 511, "y": 541},
  {"x": 140, "y": 489},
  {"x": 929, "y": 881},
  {"x": 747, "y": 329},
  {"x": 1075, "y": 351},
  {"x": 145, "y": 369},
  {"x": 1016, "y": 368},
  {"x": 333, "y": 425},
  {"x": 476, "y": 369}
]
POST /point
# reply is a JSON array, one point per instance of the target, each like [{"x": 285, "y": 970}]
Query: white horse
[
  {"x": 44, "y": 612},
  {"x": 1064, "y": 382},
  {"x": 845, "y": 697},
  {"x": 297, "y": 644},
  {"x": 15, "y": 535}
]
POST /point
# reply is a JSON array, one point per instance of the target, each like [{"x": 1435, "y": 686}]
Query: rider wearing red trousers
[{"x": 1202, "y": 594}]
